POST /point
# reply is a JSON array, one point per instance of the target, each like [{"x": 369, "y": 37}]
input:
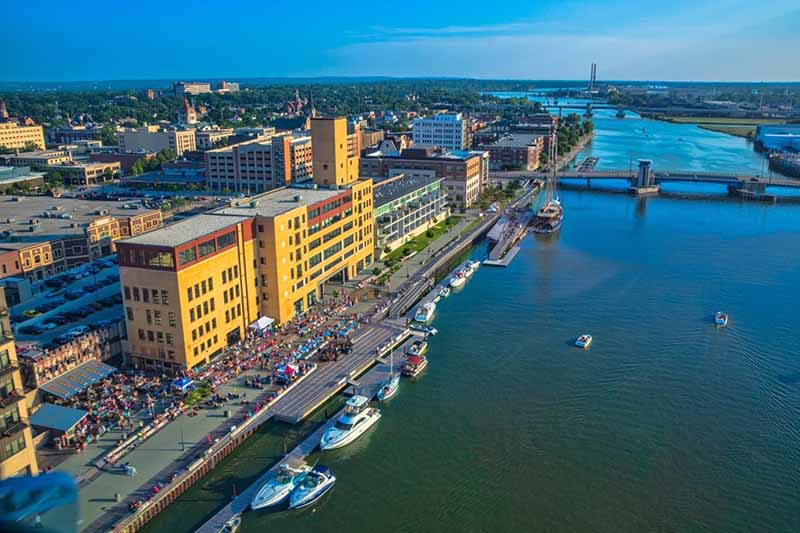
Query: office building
[
  {"x": 208, "y": 138},
  {"x": 155, "y": 139},
  {"x": 228, "y": 87},
  {"x": 261, "y": 165},
  {"x": 17, "y": 454},
  {"x": 184, "y": 88},
  {"x": 15, "y": 135},
  {"x": 515, "y": 151},
  {"x": 407, "y": 206},
  {"x": 193, "y": 287},
  {"x": 448, "y": 131},
  {"x": 466, "y": 174},
  {"x": 38, "y": 159},
  {"x": 90, "y": 173}
]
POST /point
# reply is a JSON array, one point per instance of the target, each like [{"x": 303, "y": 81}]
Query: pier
[{"x": 514, "y": 231}]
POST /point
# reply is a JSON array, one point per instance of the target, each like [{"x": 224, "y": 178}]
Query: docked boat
[
  {"x": 721, "y": 318},
  {"x": 357, "y": 418},
  {"x": 315, "y": 485},
  {"x": 549, "y": 217},
  {"x": 425, "y": 312},
  {"x": 444, "y": 292},
  {"x": 474, "y": 265},
  {"x": 584, "y": 341},
  {"x": 277, "y": 489},
  {"x": 414, "y": 366},
  {"x": 232, "y": 525},
  {"x": 428, "y": 330},
  {"x": 390, "y": 386},
  {"x": 457, "y": 281},
  {"x": 417, "y": 348},
  {"x": 467, "y": 270}
]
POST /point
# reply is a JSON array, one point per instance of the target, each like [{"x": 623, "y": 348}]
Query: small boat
[
  {"x": 414, "y": 366},
  {"x": 721, "y": 318},
  {"x": 428, "y": 330},
  {"x": 444, "y": 292},
  {"x": 358, "y": 417},
  {"x": 390, "y": 386},
  {"x": 457, "y": 281},
  {"x": 316, "y": 484},
  {"x": 584, "y": 341},
  {"x": 474, "y": 264},
  {"x": 425, "y": 312},
  {"x": 232, "y": 525},
  {"x": 277, "y": 489},
  {"x": 417, "y": 348},
  {"x": 467, "y": 270}
]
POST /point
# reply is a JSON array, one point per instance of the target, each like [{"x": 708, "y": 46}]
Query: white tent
[{"x": 262, "y": 323}]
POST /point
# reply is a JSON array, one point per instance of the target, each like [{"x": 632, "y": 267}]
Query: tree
[
  {"x": 108, "y": 135},
  {"x": 537, "y": 107}
]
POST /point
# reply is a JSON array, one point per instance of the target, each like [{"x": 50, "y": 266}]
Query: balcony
[
  {"x": 7, "y": 369},
  {"x": 6, "y": 336},
  {"x": 13, "y": 396},
  {"x": 14, "y": 428}
]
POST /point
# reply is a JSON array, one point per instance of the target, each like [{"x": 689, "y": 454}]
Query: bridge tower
[{"x": 644, "y": 181}]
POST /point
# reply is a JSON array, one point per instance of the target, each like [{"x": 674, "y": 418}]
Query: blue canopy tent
[
  {"x": 183, "y": 385},
  {"x": 79, "y": 378},
  {"x": 57, "y": 418}
]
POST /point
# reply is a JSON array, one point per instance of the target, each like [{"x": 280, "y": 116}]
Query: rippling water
[{"x": 666, "y": 423}]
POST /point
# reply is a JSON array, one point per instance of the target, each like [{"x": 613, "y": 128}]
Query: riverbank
[
  {"x": 738, "y": 127},
  {"x": 569, "y": 157}
]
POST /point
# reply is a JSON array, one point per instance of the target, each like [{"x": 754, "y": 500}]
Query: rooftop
[
  {"x": 186, "y": 230},
  {"x": 393, "y": 188},
  {"x": 14, "y": 174},
  {"x": 279, "y": 201},
  {"x": 56, "y": 217},
  {"x": 516, "y": 140}
]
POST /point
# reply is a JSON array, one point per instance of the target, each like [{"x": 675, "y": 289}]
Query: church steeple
[{"x": 3, "y": 110}]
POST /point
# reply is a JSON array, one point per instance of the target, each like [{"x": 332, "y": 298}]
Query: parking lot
[{"x": 73, "y": 302}]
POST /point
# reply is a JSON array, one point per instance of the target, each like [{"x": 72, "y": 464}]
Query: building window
[
  {"x": 203, "y": 286},
  {"x": 206, "y": 248},
  {"x": 136, "y": 294},
  {"x": 164, "y": 297},
  {"x": 189, "y": 294},
  {"x": 171, "y": 318},
  {"x": 187, "y": 256},
  {"x": 191, "y": 315},
  {"x": 141, "y": 334},
  {"x": 154, "y": 292},
  {"x": 157, "y": 317},
  {"x": 210, "y": 284},
  {"x": 150, "y": 336},
  {"x": 127, "y": 291},
  {"x": 224, "y": 277},
  {"x": 129, "y": 313},
  {"x": 211, "y": 303}
]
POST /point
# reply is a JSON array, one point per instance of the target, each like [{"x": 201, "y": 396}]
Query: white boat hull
[
  {"x": 457, "y": 282},
  {"x": 333, "y": 443},
  {"x": 275, "y": 497},
  {"x": 301, "y": 498}
]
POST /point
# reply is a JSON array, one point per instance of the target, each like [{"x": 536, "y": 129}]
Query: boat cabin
[{"x": 355, "y": 405}]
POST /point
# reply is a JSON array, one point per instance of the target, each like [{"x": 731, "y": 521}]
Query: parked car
[
  {"x": 63, "y": 338},
  {"x": 74, "y": 294},
  {"x": 55, "y": 292},
  {"x": 83, "y": 311},
  {"x": 48, "y": 326},
  {"x": 30, "y": 330},
  {"x": 32, "y": 313},
  {"x": 97, "y": 306},
  {"x": 90, "y": 288},
  {"x": 54, "y": 283},
  {"x": 59, "y": 319}
]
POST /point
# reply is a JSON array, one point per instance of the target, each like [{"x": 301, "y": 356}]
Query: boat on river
[
  {"x": 415, "y": 364},
  {"x": 549, "y": 217},
  {"x": 425, "y": 312},
  {"x": 584, "y": 341},
  {"x": 390, "y": 386},
  {"x": 428, "y": 330},
  {"x": 316, "y": 484},
  {"x": 357, "y": 418},
  {"x": 444, "y": 292},
  {"x": 277, "y": 489},
  {"x": 457, "y": 281},
  {"x": 417, "y": 348},
  {"x": 721, "y": 319}
]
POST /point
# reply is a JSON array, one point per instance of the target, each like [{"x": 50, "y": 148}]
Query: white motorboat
[
  {"x": 444, "y": 292},
  {"x": 315, "y": 485},
  {"x": 457, "y": 281},
  {"x": 357, "y": 418},
  {"x": 467, "y": 270},
  {"x": 417, "y": 348},
  {"x": 425, "y": 312},
  {"x": 584, "y": 341},
  {"x": 721, "y": 318},
  {"x": 277, "y": 489},
  {"x": 414, "y": 366},
  {"x": 474, "y": 264},
  {"x": 428, "y": 330},
  {"x": 232, "y": 525}
]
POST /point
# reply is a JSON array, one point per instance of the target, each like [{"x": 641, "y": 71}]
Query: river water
[{"x": 667, "y": 423}]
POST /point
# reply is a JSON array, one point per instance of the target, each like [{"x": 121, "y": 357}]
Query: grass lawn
[
  {"x": 738, "y": 130},
  {"x": 420, "y": 242},
  {"x": 724, "y": 120}
]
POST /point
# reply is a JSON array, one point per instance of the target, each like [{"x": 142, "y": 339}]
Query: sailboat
[
  {"x": 390, "y": 386},
  {"x": 548, "y": 218}
]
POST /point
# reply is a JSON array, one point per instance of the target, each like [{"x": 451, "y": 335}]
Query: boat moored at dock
[
  {"x": 315, "y": 485},
  {"x": 457, "y": 280},
  {"x": 425, "y": 312},
  {"x": 721, "y": 319},
  {"x": 357, "y": 418},
  {"x": 417, "y": 348},
  {"x": 415, "y": 364},
  {"x": 584, "y": 341},
  {"x": 389, "y": 387},
  {"x": 443, "y": 292},
  {"x": 277, "y": 489},
  {"x": 427, "y": 330}
]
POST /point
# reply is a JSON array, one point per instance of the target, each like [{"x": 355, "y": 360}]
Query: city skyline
[{"x": 701, "y": 41}]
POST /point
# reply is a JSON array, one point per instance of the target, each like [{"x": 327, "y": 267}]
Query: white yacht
[
  {"x": 358, "y": 417},
  {"x": 318, "y": 482},
  {"x": 417, "y": 348},
  {"x": 467, "y": 270},
  {"x": 457, "y": 281},
  {"x": 425, "y": 312},
  {"x": 277, "y": 489},
  {"x": 474, "y": 264},
  {"x": 444, "y": 291},
  {"x": 584, "y": 341},
  {"x": 721, "y": 318}
]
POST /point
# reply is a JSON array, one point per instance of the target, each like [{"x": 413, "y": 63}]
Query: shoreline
[{"x": 569, "y": 157}]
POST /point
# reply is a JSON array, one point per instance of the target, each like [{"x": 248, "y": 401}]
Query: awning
[
  {"x": 262, "y": 323},
  {"x": 57, "y": 417},
  {"x": 79, "y": 378},
  {"x": 182, "y": 384}
]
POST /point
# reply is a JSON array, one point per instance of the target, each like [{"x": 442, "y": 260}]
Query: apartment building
[
  {"x": 155, "y": 139},
  {"x": 515, "y": 151},
  {"x": 15, "y": 135},
  {"x": 184, "y": 88},
  {"x": 17, "y": 453},
  {"x": 465, "y": 173},
  {"x": 257, "y": 166},
  {"x": 193, "y": 287},
  {"x": 449, "y": 131}
]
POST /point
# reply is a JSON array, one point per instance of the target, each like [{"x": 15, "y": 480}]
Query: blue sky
[{"x": 737, "y": 40}]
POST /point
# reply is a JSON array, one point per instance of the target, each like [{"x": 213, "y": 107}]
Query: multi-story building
[
  {"x": 260, "y": 165},
  {"x": 466, "y": 174},
  {"x": 155, "y": 139},
  {"x": 70, "y": 134},
  {"x": 39, "y": 158},
  {"x": 17, "y": 454},
  {"x": 515, "y": 151},
  {"x": 228, "y": 87},
  {"x": 193, "y": 287},
  {"x": 448, "y": 131},
  {"x": 371, "y": 137},
  {"x": 406, "y": 206},
  {"x": 183, "y": 88},
  {"x": 125, "y": 160},
  {"x": 82, "y": 174},
  {"x": 12, "y": 178},
  {"x": 209, "y": 138},
  {"x": 15, "y": 135}
]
